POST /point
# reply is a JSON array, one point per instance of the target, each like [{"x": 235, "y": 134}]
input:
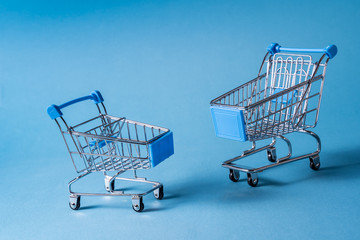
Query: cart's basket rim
[
  {"x": 213, "y": 102},
  {"x": 72, "y": 131},
  {"x": 269, "y": 98}
]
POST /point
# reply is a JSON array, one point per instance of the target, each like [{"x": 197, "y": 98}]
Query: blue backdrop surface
[{"x": 161, "y": 62}]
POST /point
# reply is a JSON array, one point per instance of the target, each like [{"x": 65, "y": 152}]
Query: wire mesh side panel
[
  {"x": 287, "y": 70},
  {"x": 114, "y": 144},
  {"x": 283, "y": 71},
  {"x": 280, "y": 101},
  {"x": 244, "y": 95},
  {"x": 291, "y": 101},
  {"x": 284, "y": 112}
]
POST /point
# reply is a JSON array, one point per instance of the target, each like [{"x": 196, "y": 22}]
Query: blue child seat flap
[{"x": 229, "y": 123}]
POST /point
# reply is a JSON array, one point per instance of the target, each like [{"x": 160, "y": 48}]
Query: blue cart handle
[
  {"x": 330, "y": 50},
  {"x": 54, "y": 111}
]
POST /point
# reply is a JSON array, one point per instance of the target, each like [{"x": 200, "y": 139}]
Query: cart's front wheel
[
  {"x": 315, "y": 162},
  {"x": 159, "y": 193},
  {"x": 138, "y": 204},
  {"x": 112, "y": 186},
  {"x": 252, "y": 179},
  {"x": 271, "y": 154},
  {"x": 139, "y": 208},
  {"x": 234, "y": 175},
  {"x": 74, "y": 203},
  {"x": 109, "y": 186}
]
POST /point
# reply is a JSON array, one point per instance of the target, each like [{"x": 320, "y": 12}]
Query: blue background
[{"x": 161, "y": 62}]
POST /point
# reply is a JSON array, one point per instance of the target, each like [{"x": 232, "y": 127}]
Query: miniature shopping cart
[
  {"x": 111, "y": 144},
  {"x": 284, "y": 99}
]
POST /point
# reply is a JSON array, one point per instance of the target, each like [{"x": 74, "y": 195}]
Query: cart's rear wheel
[
  {"x": 252, "y": 180},
  {"x": 112, "y": 185},
  {"x": 271, "y": 154},
  {"x": 109, "y": 186},
  {"x": 74, "y": 203},
  {"x": 139, "y": 205},
  {"x": 315, "y": 162},
  {"x": 138, "y": 208},
  {"x": 159, "y": 193},
  {"x": 234, "y": 175}
]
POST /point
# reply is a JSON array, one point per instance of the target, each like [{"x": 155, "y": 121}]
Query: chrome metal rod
[
  {"x": 156, "y": 185},
  {"x": 289, "y": 149},
  {"x": 281, "y": 161},
  {"x": 252, "y": 150}
]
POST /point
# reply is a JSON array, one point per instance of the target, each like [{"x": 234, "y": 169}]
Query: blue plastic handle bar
[
  {"x": 54, "y": 111},
  {"x": 330, "y": 50}
]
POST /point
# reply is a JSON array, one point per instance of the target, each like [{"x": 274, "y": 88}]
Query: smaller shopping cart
[
  {"x": 283, "y": 99},
  {"x": 111, "y": 144}
]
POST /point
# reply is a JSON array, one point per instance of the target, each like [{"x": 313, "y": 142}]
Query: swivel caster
[
  {"x": 109, "y": 186},
  {"x": 315, "y": 162},
  {"x": 271, "y": 154},
  {"x": 234, "y": 175},
  {"x": 159, "y": 193},
  {"x": 74, "y": 202},
  {"x": 137, "y": 204},
  {"x": 252, "y": 179}
]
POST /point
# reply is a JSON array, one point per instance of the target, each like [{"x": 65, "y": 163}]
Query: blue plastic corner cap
[
  {"x": 54, "y": 111},
  {"x": 331, "y": 51},
  {"x": 97, "y": 97},
  {"x": 273, "y": 48}
]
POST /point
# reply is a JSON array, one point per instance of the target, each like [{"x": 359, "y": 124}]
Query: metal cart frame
[
  {"x": 284, "y": 99},
  {"x": 106, "y": 143}
]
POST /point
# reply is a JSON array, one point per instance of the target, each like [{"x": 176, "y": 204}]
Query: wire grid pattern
[
  {"x": 279, "y": 101},
  {"x": 111, "y": 144}
]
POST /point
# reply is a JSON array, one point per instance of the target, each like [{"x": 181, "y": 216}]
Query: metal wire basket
[
  {"x": 106, "y": 143},
  {"x": 284, "y": 99}
]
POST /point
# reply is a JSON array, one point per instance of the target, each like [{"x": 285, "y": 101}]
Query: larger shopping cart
[
  {"x": 283, "y": 99},
  {"x": 112, "y": 144}
]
